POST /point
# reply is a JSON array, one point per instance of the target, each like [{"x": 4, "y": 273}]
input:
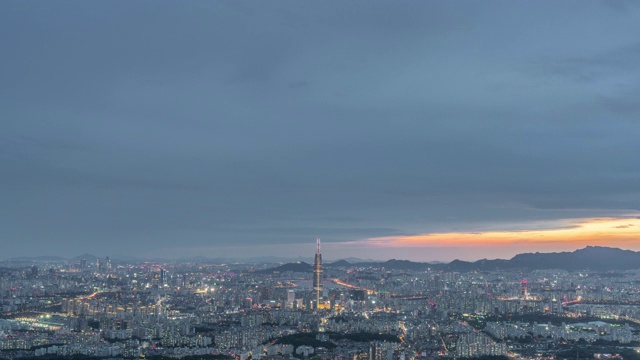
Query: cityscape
[
  {"x": 320, "y": 179},
  {"x": 93, "y": 307}
]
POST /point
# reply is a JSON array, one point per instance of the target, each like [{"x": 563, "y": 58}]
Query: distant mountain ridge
[
  {"x": 299, "y": 266},
  {"x": 35, "y": 259},
  {"x": 596, "y": 258}
]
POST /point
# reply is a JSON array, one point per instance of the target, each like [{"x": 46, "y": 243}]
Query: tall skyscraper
[
  {"x": 164, "y": 277},
  {"x": 291, "y": 298},
  {"x": 317, "y": 274}
]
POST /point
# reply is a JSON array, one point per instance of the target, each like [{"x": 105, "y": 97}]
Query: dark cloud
[{"x": 150, "y": 124}]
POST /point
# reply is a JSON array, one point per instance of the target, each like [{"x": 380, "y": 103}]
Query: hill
[
  {"x": 36, "y": 259},
  {"x": 339, "y": 263},
  {"x": 596, "y": 258},
  {"x": 299, "y": 266},
  {"x": 88, "y": 257}
]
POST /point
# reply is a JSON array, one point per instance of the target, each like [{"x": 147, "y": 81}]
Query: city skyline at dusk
[
  {"x": 320, "y": 180},
  {"x": 427, "y": 131}
]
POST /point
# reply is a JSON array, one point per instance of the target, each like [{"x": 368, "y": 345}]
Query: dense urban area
[{"x": 96, "y": 307}]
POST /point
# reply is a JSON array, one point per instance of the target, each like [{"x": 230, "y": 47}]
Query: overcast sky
[{"x": 232, "y": 128}]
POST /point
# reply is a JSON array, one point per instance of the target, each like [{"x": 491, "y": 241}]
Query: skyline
[
  {"x": 455, "y": 253},
  {"x": 426, "y": 131}
]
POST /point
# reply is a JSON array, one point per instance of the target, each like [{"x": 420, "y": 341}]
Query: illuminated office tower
[
  {"x": 317, "y": 274},
  {"x": 291, "y": 298},
  {"x": 164, "y": 277}
]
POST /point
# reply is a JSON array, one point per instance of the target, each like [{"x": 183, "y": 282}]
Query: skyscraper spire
[{"x": 317, "y": 273}]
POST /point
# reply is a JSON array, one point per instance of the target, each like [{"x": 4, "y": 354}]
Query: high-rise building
[
  {"x": 291, "y": 298},
  {"x": 317, "y": 274},
  {"x": 164, "y": 277}
]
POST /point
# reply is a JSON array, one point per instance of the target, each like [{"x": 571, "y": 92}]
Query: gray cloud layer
[{"x": 142, "y": 125}]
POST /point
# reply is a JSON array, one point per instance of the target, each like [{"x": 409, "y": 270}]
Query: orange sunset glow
[{"x": 614, "y": 232}]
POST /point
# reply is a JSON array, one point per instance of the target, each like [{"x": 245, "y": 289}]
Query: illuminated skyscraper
[
  {"x": 164, "y": 277},
  {"x": 291, "y": 298},
  {"x": 317, "y": 273}
]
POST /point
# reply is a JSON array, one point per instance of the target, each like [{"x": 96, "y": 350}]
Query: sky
[{"x": 420, "y": 130}]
